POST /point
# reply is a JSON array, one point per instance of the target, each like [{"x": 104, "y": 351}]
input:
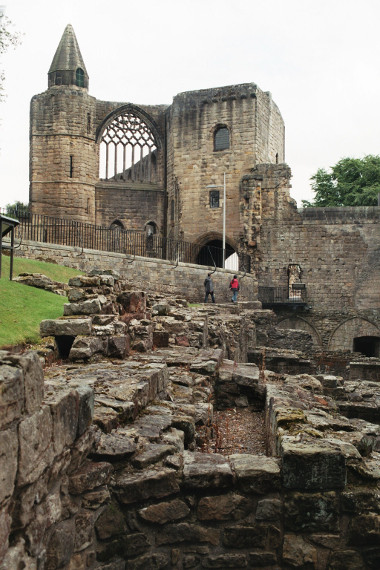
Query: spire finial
[{"x": 67, "y": 67}]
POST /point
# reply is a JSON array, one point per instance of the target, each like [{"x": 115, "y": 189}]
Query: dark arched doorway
[
  {"x": 212, "y": 253},
  {"x": 367, "y": 345}
]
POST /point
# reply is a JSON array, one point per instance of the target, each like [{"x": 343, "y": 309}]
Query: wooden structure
[{"x": 7, "y": 226}]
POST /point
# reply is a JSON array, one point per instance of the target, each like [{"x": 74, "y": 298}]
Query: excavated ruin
[{"x": 124, "y": 442}]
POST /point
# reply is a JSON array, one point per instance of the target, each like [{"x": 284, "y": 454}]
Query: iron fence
[
  {"x": 61, "y": 231},
  {"x": 283, "y": 295}
]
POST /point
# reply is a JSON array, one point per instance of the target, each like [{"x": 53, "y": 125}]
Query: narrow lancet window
[{"x": 79, "y": 77}]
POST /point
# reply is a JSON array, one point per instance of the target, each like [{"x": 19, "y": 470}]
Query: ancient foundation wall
[
  {"x": 332, "y": 330},
  {"x": 76, "y": 496},
  {"x": 44, "y": 438},
  {"x": 182, "y": 280}
]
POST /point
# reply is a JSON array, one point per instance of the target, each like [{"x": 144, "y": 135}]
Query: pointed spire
[{"x": 67, "y": 67}]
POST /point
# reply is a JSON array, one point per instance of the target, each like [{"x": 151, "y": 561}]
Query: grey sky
[{"x": 319, "y": 59}]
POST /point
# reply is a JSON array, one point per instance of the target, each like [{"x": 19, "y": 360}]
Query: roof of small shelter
[{"x": 7, "y": 224}]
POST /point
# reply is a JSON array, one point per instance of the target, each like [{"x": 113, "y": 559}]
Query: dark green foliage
[
  {"x": 17, "y": 210},
  {"x": 351, "y": 182}
]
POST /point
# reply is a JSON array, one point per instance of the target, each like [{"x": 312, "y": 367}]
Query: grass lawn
[{"x": 22, "y": 308}]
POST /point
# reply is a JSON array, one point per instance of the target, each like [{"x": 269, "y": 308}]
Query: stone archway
[
  {"x": 367, "y": 345},
  {"x": 300, "y": 324},
  {"x": 343, "y": 337},
  {"x": 210, "y": 250}
]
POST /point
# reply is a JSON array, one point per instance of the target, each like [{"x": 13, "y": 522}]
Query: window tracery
[{"x": 128, "y": 150}]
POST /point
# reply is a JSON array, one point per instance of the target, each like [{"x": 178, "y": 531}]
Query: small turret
[{"x": 68, "y": 67}]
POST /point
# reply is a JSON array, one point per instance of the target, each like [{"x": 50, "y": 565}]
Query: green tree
[
  {"x": 351, "y": 182},
  {"x": 8, "y": 38},
  {"x": 17, "y": 210}
]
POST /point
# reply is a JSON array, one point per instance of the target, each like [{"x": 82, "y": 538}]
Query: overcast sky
[{"x": 320, "y": 59}]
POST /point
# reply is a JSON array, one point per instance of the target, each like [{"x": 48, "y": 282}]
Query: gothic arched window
[
  {"x": 221, "y": 138},
  {"x": 117, "y": 225},
  {"x": 128, "y": 150}
]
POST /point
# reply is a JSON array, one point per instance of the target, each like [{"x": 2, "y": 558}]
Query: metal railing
[
  {"x": 61, "y": 231},
  {"x": 282, "y": 295}
]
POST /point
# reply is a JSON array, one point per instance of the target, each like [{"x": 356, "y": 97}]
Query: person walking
[
  {"x": 234, "y": 286},
  {"x": 209, "y": 288}
]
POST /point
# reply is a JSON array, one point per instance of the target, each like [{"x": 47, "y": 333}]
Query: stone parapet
[{"x": 184, "y": 280}]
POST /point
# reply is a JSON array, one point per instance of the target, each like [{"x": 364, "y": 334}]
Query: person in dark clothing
[
  {"x": 234, "y": 286},
  {"x": 209, "y": 288}
]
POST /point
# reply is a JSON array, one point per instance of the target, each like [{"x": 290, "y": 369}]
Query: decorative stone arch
[
  {"x": 342, "y": 338},
  {"x": 211, "y": 236},
  {"x": 301, "y": 324},
  {"x": 129, "y": 141}
]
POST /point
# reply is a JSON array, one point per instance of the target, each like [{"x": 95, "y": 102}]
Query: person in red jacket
[{"x": 234, "y": 286}]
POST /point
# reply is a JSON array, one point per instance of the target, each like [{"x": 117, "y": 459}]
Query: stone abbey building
[{"x": 161, "y": 169}]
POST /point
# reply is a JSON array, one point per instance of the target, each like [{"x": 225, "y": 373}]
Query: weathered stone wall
[
  {"x": 133, "y": 205},
  {"x": 332, "y": 329},
  {"x": 63, "y": 158},
  {"x": 338, "y": 253},
  {"x": 65, "y": 129},
  {"x": 130, "y": 493},
  {"x": 335, "y": 249},
  {"x": 182, "y": 280},
  {"x": 45, "y": 435}
]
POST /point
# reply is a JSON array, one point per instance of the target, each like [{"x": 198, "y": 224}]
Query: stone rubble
[{"x": 99, "y": 465}]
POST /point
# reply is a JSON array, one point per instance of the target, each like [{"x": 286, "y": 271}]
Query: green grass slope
[{"x": 22, "y": 308}]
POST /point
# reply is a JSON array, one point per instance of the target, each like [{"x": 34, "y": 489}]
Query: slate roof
[{"x": 68, "y": 56}]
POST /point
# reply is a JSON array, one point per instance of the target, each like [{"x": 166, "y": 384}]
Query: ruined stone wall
[
  {"x": 337, "y": 250},
  {"x": 130, "y": 493},
  {"x": 256, "y": 133},
  {"x": 336, "y": 253},
  {"x": 270, "y": 131},
  {"x": 44, "y": 437},
  {"x": 66, "y": 126},
  {"x": 182, "y": 280},
  {"x": 133, "y": 205}
]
